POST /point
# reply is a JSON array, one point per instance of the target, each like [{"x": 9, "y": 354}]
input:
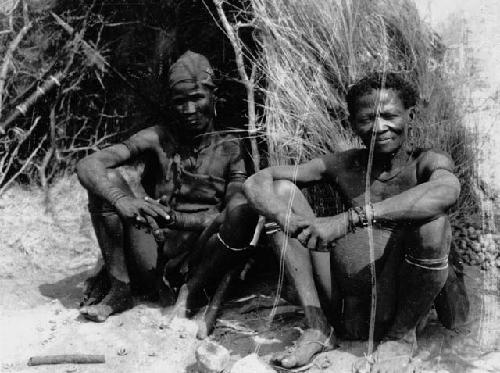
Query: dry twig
[{"x": 7, "y": 61}]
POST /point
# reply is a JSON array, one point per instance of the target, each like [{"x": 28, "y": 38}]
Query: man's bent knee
[
  {"x": 431, "y": 242},
  {"x": 99, "y": 205},
  {"x": 285, "y": 188},
  {"x": 240, "y": 220},
  {"x": 289, "y": 192}
]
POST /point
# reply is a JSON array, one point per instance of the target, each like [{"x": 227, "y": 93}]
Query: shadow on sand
[{"x": 68, "y": 290}]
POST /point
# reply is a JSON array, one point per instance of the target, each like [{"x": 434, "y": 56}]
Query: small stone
[
  {"x": 211, "y": 357},
  {"x": 251, "y": 364},
  {"x": 122, "y": 352}
]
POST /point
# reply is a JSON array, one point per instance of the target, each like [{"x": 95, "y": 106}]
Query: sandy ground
[{"x": 47, "y": 253}]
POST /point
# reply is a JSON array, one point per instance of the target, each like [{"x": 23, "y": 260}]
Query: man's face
[
  {"x": 193, "y": 107},
  {"x": 381, "y": 113}
]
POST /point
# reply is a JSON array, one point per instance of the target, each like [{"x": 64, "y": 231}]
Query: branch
[
  {"x": 13, "y": 155},
  {"x": 42, "y": 168},
  {"x": 248, "y": 82},
  {"x": 8, "y": 56},
  {"x": 27, "y": 162},
  {"x": 41, "y": 91},
  {"x": 96, "y": 58}
]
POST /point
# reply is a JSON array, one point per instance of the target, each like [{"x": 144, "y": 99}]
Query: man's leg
[
  {"x": 120, "y": 244},
  {"x": 422, "y": 277},
  {"x": 222, "y": 252},
  {"x": 109, "y": 230},
  {"x": 298, "y": 264}
]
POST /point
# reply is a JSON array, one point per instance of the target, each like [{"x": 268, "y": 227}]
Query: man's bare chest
[
  {"x": 194, "y": 175},
  {"x": 352, "y": 183}
]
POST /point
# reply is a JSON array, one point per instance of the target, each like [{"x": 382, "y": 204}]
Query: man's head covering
[{"x": 191, "y": 68}]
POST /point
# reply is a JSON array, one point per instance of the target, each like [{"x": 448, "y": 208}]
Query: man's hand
[
  {"x": 317, "y": 232},
  {"x": 142, "y": 212}
]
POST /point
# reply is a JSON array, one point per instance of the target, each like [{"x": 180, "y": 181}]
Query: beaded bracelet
[
  {"x": 365, "y": 216},
  {"x": 351, "y": 226},
  {"x": 363, "y": 220}
]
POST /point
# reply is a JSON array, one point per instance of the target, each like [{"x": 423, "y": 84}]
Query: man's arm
[
  {"x": 93, "y": 175},
  {"x": 92, "y": 172},
  {"x": 259, "y": 187},
  {"x": 437, "y": 192},
  {"x": 237, "y": 173}
]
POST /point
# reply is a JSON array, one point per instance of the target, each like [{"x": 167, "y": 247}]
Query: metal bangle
[{"x": 229, "y": 247}]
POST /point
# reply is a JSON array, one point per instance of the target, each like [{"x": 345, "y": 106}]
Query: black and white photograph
[{"x": 249, "y": 186}]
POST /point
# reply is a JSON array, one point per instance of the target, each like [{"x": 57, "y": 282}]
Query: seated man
[
  {"x": 402, "y": 194},
  {"x": 193, "y": 171}
]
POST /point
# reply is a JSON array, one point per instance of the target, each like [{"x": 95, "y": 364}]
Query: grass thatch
[{"x": 312, "y": 51}]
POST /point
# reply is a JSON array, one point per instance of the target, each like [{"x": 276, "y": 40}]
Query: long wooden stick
[
  {"x": 249, "y": 82},
  {"x": 66, "y": 359}
]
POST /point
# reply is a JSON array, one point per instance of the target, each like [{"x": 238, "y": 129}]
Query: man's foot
[
  {"x": 390, "y": 357},
  {"x": 118, "y": 299},
  {"x": 95, "y": 288},
  {"x": 312, "y": 342}
]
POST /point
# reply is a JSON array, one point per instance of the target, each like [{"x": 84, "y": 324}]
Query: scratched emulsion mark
[
  {"x": 373, "y": 274},
  {"x": 284, "y": 246},
  {"x": 489, "y": 333}
]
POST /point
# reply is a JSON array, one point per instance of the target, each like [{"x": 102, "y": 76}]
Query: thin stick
[
  {"x": 8, "y": 56},
  {"x": 25, "y": 164},
  {"x": 66, "y": 359},
  {"x": 208, "y": 320}
]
